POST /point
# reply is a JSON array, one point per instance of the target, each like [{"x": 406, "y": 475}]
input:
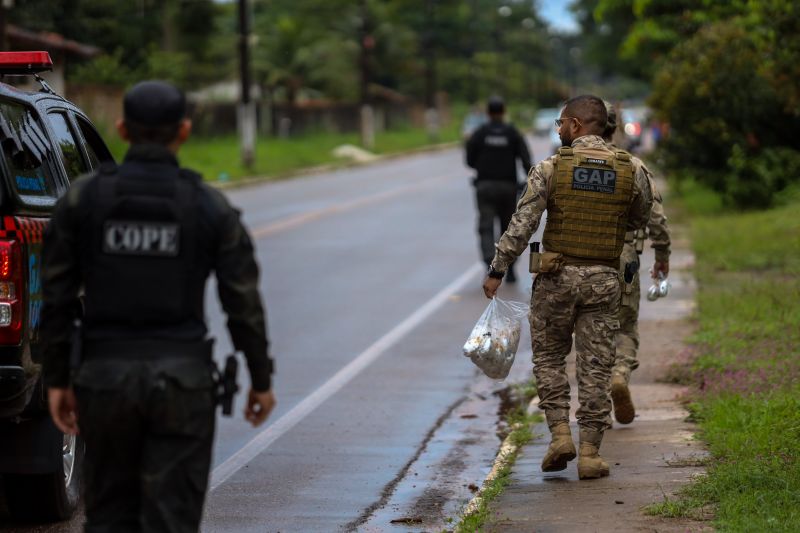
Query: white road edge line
[{"x": 271, "y": 433}]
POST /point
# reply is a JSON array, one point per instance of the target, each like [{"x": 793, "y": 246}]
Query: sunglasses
[{"x": 560, "y": 121}]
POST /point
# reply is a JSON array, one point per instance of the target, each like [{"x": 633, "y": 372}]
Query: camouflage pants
[
  {"x": 583, "y": 300},
  {"x": 148, "y": 427},
  {"x": 627, "y": 338}
]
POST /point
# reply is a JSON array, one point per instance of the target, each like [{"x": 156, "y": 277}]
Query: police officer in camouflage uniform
[
  {"x": 592, "y": 196},
  {"x": 140, "y": 241},
  {"x": 493, "y": 151},
  {"x": 627, "y": 339}
]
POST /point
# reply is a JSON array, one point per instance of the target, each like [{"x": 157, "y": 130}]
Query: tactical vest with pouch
[
  {"x": 141, "y": 262},
  {"x": 588, "y": 205}
]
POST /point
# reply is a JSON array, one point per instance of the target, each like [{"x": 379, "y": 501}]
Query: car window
[
  {"x": 71, "y": 156},
  {"x": 24, "y": 150},
  {"x": 95, "y": 147}
]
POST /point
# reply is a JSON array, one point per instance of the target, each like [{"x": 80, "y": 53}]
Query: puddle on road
[{"x": 452, "y": 465}]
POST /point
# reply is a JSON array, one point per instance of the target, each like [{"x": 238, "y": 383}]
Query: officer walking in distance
[
  {"x": 592, "y": 195},
  {"x": 627, "y": 339},
  {"x": 493, "y": 151},
  {"x": 140, "y": 241}
]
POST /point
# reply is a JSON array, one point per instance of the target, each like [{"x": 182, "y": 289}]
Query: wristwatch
[{"x": 496, "y": 274}]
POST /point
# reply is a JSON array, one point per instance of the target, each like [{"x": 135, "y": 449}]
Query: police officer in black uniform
[
  {"x": 493, "y": 150},
  {"x": 140, "y": 240}
]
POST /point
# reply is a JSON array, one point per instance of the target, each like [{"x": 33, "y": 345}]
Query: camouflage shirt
[
  {"x": 657, "y": 229},
  {"x": 533, "y": 203}
]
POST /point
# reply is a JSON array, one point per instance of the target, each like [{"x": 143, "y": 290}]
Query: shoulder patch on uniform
[
  {"x": 594, "y": 180},
  {"x": 622, "y": 155}
]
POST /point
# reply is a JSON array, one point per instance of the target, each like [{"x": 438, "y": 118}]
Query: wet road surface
[{"x": 371, "y": 281}]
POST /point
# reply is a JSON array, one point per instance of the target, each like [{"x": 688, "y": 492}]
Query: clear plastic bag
[{"x": 493, "y": 342}]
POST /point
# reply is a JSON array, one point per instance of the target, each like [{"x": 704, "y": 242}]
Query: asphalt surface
[{"x": 372, "y": 283}]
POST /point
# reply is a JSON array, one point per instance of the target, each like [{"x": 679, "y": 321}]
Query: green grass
[
  {"x": 748, "y": 401},
  {"x": 695, "y": 198},
  {"x": 521, "y": 435},
  {"x": 521, "y": 423},
  {"x": 475, "y": 521},
  {"x": 219, "y": 157}
]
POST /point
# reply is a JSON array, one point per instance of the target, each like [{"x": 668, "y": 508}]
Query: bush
[
  {"x": 729, "y": 125},
  {"x": 755, "y": 179}
]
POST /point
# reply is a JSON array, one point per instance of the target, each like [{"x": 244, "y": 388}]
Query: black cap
[
  {"x": 495, "y": 105},
  {"x": 154, "y": 103}
]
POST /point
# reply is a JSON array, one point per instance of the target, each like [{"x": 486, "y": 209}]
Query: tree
[
  {"x": 730, "y": 123},
  {"x": 132, "y": 32}
]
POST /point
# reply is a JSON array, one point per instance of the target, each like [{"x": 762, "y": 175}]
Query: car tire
[{"x": 48, "y": 497}]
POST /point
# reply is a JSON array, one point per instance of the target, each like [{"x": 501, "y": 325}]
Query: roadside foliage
[
  {"x": 745, "y": 366},
  {"x": 726, "y": 79}
]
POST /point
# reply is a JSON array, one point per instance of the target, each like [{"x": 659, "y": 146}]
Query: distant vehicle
[
  {"x": 633, "y": 124},
  {"x": 544, "y": 121},
  {"x": 45, "y": 143},
  {"x": 555, "y": 140}
]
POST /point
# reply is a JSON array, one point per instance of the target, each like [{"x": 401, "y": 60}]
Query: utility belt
[
  {"x": 510, "y": 181},
  {"x": 146, "y": 349},
  {"x": 225, "y": 385},
  {"x": 542, "y": 262}
]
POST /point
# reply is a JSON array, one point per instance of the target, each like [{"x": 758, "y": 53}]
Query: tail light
[
  {"x": 633, "y": 128},
  {"x": 11, "y": 292}
]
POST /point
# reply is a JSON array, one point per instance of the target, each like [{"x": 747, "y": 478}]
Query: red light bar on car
[{"x": 25, "y": 62}]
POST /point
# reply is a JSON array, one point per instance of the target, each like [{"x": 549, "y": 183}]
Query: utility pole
[
  {"x": 5, "y": 5},
  {"x": 367, "y": 43},
  {"x": 247, "y": 110},
  {"x": 474, "y": 25},
  {"x": 429, "y": 47}
]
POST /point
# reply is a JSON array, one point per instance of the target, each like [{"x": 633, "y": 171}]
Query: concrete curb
[
  {"x": 503, "y": 459},
  {"x": 310, "y": 171}
]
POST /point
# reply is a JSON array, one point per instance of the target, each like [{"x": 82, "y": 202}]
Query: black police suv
[{"x": 45, "y": 142}]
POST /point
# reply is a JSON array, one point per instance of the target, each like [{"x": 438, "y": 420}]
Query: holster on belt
[
  {"x": 627, "y": 287},
  {"x": 226, "y": 384},
  {"x": 536, "y": 258},
  {"x": 551, "y": 262}
]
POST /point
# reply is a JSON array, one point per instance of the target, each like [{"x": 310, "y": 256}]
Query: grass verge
[
  {"x": 520, "y": 423},
  {"x": 218, "y": 158},
  {"x": 746, "y": 371}
]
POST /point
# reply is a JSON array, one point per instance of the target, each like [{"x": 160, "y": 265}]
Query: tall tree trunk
[{"x": 170, "y": 11}]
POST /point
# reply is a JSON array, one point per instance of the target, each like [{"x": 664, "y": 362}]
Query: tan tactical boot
[
  {"x": 621, "y": 397},
  {"x": 561, "y": 449},
  {"x": 590, "y": 464}
]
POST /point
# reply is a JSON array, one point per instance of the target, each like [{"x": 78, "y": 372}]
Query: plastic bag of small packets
[{"x": 493, "y": 342}]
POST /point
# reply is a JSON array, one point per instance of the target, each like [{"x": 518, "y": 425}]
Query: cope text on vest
[
  {"x": 594, "y": 180},
  {"x": 141, "y": 238}
]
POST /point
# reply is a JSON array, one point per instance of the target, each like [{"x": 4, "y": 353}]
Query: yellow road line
[{"x": 303, "y": 218}]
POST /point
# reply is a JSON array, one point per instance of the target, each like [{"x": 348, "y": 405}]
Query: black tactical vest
[{"x": 140, "y": 262}]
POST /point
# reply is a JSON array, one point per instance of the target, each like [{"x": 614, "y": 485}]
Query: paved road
[{"x": 371, "y": 280}]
